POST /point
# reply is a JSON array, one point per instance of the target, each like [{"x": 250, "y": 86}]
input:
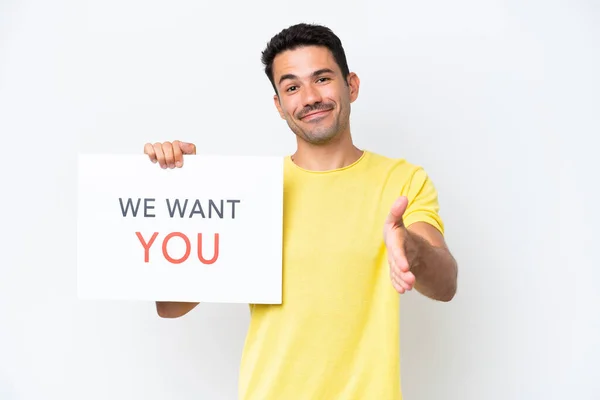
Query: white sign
[{"x": 210, "y": 231}]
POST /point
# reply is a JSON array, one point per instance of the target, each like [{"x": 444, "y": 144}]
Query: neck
[{"x": 338, "y": 153}]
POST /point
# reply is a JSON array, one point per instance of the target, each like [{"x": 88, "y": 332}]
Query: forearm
[{"x": 434, "y": 268}]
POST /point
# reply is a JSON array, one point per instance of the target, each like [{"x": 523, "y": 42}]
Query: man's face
[{"x": 313, "y": 96}]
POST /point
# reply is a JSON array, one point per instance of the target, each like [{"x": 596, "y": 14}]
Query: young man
[{"x": 359, "y": 229}]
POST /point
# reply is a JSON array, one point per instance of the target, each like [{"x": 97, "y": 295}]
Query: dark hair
[{"x": 300, "y": 35}]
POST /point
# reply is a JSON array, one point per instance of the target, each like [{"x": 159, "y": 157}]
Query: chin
[{"x": 320, "y": 138}]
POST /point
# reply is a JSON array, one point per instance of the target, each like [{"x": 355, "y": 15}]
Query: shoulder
[
  {"x": 393, "y": 162},
  {"x": 399, "y": 171}
]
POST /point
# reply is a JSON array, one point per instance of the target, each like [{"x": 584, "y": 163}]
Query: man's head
[{"x": 307, "y": 67}]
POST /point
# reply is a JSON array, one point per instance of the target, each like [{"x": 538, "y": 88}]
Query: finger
[
  {"x": 397, "y": 210},
  {"x": 160, "y": 155},
  {"x": 401, "y": 261},
  {"x": 397, "y": 282},
  {"x": 408, "y": 279},
  {"x": 187, "y": 148},
  {"x": 405, "y": 280},
  {"x": 398, "y": 254},
  {"x": 177, "y": 154},
  {"x": 149, "y": 150},
  {"x": 168, "y": 150}
]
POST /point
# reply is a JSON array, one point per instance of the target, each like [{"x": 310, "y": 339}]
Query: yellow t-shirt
[{"x": 336, "y": 335}]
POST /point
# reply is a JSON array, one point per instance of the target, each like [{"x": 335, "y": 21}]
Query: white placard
[{"x": 210, "y": 231}]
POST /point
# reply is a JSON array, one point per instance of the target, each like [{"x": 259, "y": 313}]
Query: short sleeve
[{"x": 423, "y": 205}]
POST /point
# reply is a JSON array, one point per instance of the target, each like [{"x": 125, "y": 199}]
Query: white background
[{"x": 498, "y": 100}]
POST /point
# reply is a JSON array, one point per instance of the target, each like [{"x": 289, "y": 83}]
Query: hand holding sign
[
  {"x": 170, "y": 155},
  {"x": 167, "y": 154}
]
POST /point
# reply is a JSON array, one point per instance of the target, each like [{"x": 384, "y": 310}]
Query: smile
[{"x": 315, "y": 115}]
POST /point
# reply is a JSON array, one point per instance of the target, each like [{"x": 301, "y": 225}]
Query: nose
[{"x": 311, "y": 95}]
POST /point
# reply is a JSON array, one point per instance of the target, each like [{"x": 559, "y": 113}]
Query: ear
[
  {"x": 353, "y": 86},
  {"x": 278, "y": 106}
]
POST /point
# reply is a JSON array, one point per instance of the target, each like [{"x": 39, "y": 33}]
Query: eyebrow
[{"x": 314, "y": 74}]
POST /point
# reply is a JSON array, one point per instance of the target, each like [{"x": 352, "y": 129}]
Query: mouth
[{"x": 314, "y": 115}]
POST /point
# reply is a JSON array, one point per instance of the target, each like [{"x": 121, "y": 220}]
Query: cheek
[
  {"x": 335, "y": 94},
  {"x": 290, "y": 109}
]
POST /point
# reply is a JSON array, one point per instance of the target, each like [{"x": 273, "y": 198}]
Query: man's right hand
[{"x": 169, "y": 154}]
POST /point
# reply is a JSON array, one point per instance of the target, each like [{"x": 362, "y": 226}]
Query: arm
[
  {"x": 170, "y": 155},
  {"x": 432, "y": 264},
  {"x": 173, "y": 309},
  {"x": 414, "y": 236}
]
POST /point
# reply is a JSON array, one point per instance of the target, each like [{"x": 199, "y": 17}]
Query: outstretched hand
[{"x": 396, "y": 237}]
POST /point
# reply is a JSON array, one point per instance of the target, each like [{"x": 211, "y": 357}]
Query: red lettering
[
  {"x": 188, "y": 248},
  {"x": 215, "y": 253},
  {"x": 146, "y": 245}
]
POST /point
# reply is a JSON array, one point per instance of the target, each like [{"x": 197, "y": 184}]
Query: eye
[
  {"x": 323, "y": 79},
  {"x": 290, "y": 88}
]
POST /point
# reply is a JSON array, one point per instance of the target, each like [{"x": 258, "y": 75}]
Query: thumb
[
  {"x": 187, "y": 148},
  {"x": 397, "y": 211}
]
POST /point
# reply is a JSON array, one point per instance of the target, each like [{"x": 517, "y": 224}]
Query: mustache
[{"x": 315, "y": 107}]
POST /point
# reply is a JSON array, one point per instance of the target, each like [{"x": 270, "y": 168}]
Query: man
[{"x": 359, "y": 229}]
